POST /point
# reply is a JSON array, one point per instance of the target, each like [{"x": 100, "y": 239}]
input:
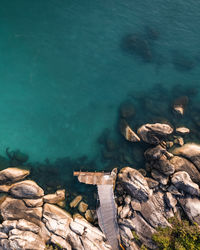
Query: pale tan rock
[
  {"x": 135, "y": 204},
  {"x": 61, "y": 204},
  {"x": 182, "y": 130},
  {"x": 10, "y": 175},
  {"x": 25, "y": 240},
  {"x": 127, "y": 132},
  {"x": 3, "y": 235},
  {"x": 9, "y": 225},
  {"x": 25, "y": 225},
  {"x": 26, "y": 189},
  {"x": 76, "y": 201},
  {"x": 56, "y": 220},
  {"x": 61, "y": 242},
  {"x": 33, "y": 202},
  {"x": 5, "y": 188},
  {"x": 179, "y": 140},
  {"x": 55, "y": 198},
  {"x": 82, "y": 207},
  {"x": 77, "y": 228}
]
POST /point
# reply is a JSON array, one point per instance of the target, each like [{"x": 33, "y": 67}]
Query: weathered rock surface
[
  {"x": 191, "y": 151},
  {"x": 134, "y": 183},
  {"x": 154, "y": 153},
  {"x": 76, "y": 201},
  {"x": 26, "y": 189},
  {"x": 10, "y": 175},
  {"x": 55, "y": 198},
  {"x": 182, "y": 130},
  {"x": 164, "y": 166},
  {"x": 170, "y": 200},
  {"x": 33, "y": 202},
  {"x": 127, "y": 132},
  {"x": 161, "y": 178},
  {"x": 182, "y": 164},
  {"x": 183, "y": 182},
  {"x": 151, "y": 133}
]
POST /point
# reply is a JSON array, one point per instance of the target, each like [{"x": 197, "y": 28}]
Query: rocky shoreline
[{"x": 146, "y": 199}]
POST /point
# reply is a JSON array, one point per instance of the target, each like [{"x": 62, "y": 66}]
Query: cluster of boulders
[
  {"x": 31, "y": 219},
  {"x": 171, "y": 188}
]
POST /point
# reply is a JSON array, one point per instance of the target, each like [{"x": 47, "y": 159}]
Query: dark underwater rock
[
  {"x": 127, "y": 110},
  {"x": 180, "y": 104}
]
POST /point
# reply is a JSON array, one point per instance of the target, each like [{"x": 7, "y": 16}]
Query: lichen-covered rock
[
  {"x": 151, "y": 133},
  {"x": 191, "y": 151},
  {"x": 182, "y": 164},
  {"x": 183, "y": 182},
  {"x": 10, "y": 175},
  {"x": 26, "y": 189},
  {"x": 134, "y": 183}
]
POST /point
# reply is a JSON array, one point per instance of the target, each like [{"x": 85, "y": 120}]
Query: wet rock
[
  {"x": 33, "y": 202},
  {"x": 182, "y": 164},
  {"x": 14, "y": 209},
  {"x": 182, "y": 181},
  {"x": 134, "y": 183},
  {"x": 26, "y": 189},
  {"x": 10, "y": 175},
  {"x": 25, "y": 240},
  {"x": 127, "y": 132},
  {"x": 56, "y": 220},
  {"x": 182, "y": 130},
  {"x": 170, "y": 200},
  {"x": 191, "y": 151},
  {"x": 151, "y": 182},
  {"x": 127, "y": 110},
  {"x": 161, "y": 178},
  {"x": 55, "y": 198},
  {"x": 180, "y": 104},
  {"x": 76, "y": 201},
  {"x": 82, "y": 207},
  {"x": 135, "y": 44},
  {"x": 151, "y": 133},
  {"x": 19, "y": 156},
  {"x": 191, "y": 207}
]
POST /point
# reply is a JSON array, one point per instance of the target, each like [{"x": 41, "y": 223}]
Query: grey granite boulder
[
  {"x": 151, "y": 133},
  {"x": 182, "y": 164},
  {"x": 182, "y": 181},
  {"x": 135, "y": 183},
  {"x": 191, "y": 151},
  {"x": 10, "y": 175},
  {"x": 26, "y": 189}
]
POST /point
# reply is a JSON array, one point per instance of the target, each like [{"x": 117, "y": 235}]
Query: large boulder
[
  {"x": 164, "y": 166},
  {"x": 191, "y": 207},
  {"x": 26, "y": 189},
  {"x": 14, "y": 209},
  {"x": 25, "y": 240},
  {"x": 191, "y": 151},
  {"x": 152, "y": 133},
  {"x": 154, "y": 153},
  {"x": 182, "y": 164},
  {"x": 135, "y": 183},
  {"x": 182, "y": 181},
  {"x": 10, "y": 175}
]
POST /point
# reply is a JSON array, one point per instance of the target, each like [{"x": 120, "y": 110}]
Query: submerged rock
[
  {"x": 151, "y": 133},
  {"x": 180, "y": 104},
  {"x": 127, "y": 110},
  {"x": 135, "y": 183},
  {"x": 127, "y": 132}
]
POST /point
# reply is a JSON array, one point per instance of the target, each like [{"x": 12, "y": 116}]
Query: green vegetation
[
  {"x": 53, "y": 247},
  {"x": 181, "y": 236}
]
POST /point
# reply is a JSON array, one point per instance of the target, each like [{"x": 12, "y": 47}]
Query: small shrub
[{"x": 181, "y": 236}]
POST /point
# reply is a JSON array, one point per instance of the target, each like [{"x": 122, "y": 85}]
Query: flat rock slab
[
  {"x": 10, "y": 175},
  {"x": 26, "y": 189}
]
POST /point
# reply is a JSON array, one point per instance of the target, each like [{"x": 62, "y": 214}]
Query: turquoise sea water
[{"x": 64, "y": 70}]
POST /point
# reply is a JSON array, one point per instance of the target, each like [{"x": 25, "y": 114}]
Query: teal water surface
[{"x": 64, "y": 70}]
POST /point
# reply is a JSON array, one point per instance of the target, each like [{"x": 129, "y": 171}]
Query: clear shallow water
[{"x": 63, "y": 72}]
